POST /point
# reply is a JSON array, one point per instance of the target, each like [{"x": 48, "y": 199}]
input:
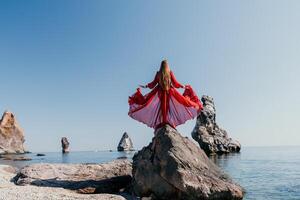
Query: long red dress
[{"x": 161, "y": 106}]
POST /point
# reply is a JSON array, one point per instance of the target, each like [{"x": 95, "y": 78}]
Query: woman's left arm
[{"x": 175, "y": 83}]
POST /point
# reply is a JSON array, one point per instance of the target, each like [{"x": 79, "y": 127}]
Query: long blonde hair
[{"x": 165, "y": 75}]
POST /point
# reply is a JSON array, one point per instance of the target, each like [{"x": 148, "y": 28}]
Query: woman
[{"x": 164, "y": 104}]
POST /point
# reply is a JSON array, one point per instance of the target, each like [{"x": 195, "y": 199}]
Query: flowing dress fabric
[{"x": 160, "y": 106}]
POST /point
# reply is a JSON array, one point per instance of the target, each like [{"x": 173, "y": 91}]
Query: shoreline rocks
[
  {"x": 110, "y": 177},
  {"x": 10, "y": 191},
  {"x": 173, "y": 167},
  {"x": 125, "y": 143},
  {"x": 15, "y": 157},
  {"x": 11, "y": 135},
  {"x": 170, "y": 167},
  {"x": 212, "y": 138}
]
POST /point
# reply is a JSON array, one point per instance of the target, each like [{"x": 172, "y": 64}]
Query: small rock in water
[
  {"x": 122, "y": 157},
  {"x": 211, "y": 138},
  {"x": 22, "y": 158},
  {"x": 173, "y": 167},
  {"x": 40, "y": 154},
  {"x": 14, "y": 157},
  {"x": 125, "y": 143},
  {"x": 6, "y": 157},
  {"x": 65, "y": 145}
]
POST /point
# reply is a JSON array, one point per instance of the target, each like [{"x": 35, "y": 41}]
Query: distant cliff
[{"x": 11, "y": 135}]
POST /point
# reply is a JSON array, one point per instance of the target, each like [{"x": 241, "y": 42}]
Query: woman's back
[{"x": 164, "y": 104}]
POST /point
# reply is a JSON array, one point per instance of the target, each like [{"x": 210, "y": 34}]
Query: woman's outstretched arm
[
  {"x": 175, "y": 83},
  {"x": 153, "y": 83}
]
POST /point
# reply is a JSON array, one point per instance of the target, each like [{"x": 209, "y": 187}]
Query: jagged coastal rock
[
  {"x": 125, "y": 143},
  {"x": 65, "y": 145},
  {"x": 11, "y": 135},
  {"x": 212, "y": 138},
  {"x": 173, "y": 167},
  {"x": 95, "y": 178}
]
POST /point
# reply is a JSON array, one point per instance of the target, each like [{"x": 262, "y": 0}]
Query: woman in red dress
[{"x": 164, "y": 104}]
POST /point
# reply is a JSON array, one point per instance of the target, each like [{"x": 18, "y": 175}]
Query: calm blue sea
[{"x": 265, "y": 172}]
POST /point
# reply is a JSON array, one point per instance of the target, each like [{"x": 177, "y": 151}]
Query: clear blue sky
[{"x": 68, "y": 67}]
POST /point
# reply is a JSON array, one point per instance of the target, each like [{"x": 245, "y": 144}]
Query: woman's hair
[{"x": 165, "y": 75}]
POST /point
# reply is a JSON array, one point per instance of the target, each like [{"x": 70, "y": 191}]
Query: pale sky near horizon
[{"x": 68, "y": 67}]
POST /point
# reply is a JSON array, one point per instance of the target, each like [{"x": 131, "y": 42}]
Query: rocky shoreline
[
  {"x": 111, "y": 177},
  {"x": 10, "y": 191},
  {"x": 170, "y": 167}
]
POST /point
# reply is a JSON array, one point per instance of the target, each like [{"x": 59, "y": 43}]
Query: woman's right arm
[{"x": 175, "y": 83}]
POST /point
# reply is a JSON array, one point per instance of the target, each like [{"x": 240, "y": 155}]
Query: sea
[{"x": 265, "y": 173}]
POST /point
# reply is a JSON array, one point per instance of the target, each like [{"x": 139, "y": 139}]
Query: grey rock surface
[
  {"x": 10, "y": 191},
  {"x": 99, "y": 178},
  {"x": 173, "y": 167},
  {"x": 125, "y": 143},
  {"x": 11, "y": 135},
  {"x": 212, "y": 138}
]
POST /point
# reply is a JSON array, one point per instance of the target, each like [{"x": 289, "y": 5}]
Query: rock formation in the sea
[
  {"x": 11, "y": 135},
  {"x": 211, "y": 138},
  {"x": 173, "y": 167},
  {"x": 86, "y": 178},
  {"x": 65, "y": 145},
  {"x": 125, "y": 143}
]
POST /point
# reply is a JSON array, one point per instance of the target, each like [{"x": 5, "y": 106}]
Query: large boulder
[
  {"x": 211, "y": 138},
  {"x": 173, "y": 167},
  {"x": 10, "y": 191},
  {"x": 65, "y": 145},
  {"x": 125, "y": 143},
  {"x": 6, "y": 172},
  {"x": 11, "y": 135},
  {"x": 95, "y": 178}
]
